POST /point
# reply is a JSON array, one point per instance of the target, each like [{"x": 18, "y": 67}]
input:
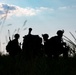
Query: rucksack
[{"x": 9, "y": 46}]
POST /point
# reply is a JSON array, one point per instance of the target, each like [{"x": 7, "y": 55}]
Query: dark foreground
[{"x": 37, "y": 66}]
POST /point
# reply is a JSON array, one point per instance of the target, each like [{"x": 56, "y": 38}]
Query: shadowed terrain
[{"x": 38, "y": 66}]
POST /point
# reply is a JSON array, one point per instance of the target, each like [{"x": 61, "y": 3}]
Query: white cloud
[
  {"x": 19, "y": 11},
  {"x": 67, "y": 7},
  {"x": 62, "y": 8}
]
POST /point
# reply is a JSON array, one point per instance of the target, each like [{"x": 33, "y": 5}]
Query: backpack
[{"x": 9, "y": 46}]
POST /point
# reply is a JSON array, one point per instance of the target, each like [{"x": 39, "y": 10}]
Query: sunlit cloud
[{"x": 19, "y": 11}]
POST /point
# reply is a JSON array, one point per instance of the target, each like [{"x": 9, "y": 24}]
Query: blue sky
[{"x": 44, "y": 16}]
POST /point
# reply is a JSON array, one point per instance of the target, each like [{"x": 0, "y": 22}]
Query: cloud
[
  {"x": 45, "y": 8},
  {"x": 19, "y": 11},
  {"x": 67, "y": 7},
  {"x": 62, "y": 8}
]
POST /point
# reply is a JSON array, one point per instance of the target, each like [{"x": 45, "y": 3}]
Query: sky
[{"x": 43, "y": 16}]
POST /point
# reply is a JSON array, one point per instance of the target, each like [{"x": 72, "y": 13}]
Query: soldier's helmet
[
  {"x": 45, "y": 35},
  {"x": 16, "y": 36},
  {"x": 30, "y": 29},
  {"x": 60, "y": 32}
]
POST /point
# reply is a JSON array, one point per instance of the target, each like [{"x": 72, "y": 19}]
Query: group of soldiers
[{"x": 32, "y": 45}]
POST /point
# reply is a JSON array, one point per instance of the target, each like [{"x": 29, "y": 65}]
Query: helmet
[
  {"x": 59, "y": 32},
  {"x": 45, "y": 35},
  {"x": 30, "y": 29},
  {"x": 16, "y": 36}
]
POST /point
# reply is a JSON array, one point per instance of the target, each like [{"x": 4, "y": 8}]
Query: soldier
[
  {"x": 45, "y": 44},
  {"x": 13, "y": 46},
  {"x": 31, "y": 45},
  {"x": 57, "y": 46}
]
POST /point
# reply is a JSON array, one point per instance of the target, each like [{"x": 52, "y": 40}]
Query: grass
[
  {"x": 37, "y": 66},
  {"x": 71, "y": 44}
]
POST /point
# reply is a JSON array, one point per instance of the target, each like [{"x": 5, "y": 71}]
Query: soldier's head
[
  {"x": 30, "y": 29},
  {"x": 16, "y": 36},
  {"x": 45, "y": 36},
  {"x": 60, "y": 33}
]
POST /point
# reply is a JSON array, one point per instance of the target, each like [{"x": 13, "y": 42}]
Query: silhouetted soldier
[
  {"x": 57, "y": 46},
  {"x": 31, "y": 44},
  {"x": 13, "y": 46},
  {"x": 45, "y": 44},
  {"x": 26, "y": 42}
]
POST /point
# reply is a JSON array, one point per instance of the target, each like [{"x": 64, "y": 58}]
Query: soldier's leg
[{"x": 65, "y": 52}]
